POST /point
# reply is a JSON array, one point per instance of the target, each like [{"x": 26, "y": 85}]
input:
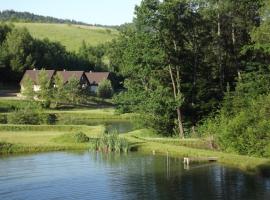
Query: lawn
[
  {"x": 71, "y": 36},
  {"x": 42, "y": 138}
]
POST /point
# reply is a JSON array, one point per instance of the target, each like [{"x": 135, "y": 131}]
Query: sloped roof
[
  {"x": 33, "y": 75},
  {"x": 95, "y": 78},
  {"x": 70, "y": 74}
]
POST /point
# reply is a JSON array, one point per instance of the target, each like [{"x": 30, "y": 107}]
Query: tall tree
[{"x": 44, "y": 92}]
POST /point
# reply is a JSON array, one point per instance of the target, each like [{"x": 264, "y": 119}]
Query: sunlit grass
[
  {"x": 37, "y": 140},
  {"x": 70, "y": 36},
  {"x": 159, "y": 146}
]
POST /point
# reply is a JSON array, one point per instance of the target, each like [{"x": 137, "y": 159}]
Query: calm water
[
  {"x": 122, "y": 126},
  {"x": 65, "y": 176}
]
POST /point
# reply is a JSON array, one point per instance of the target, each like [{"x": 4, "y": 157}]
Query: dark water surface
[{"x": 88, "y": 176}]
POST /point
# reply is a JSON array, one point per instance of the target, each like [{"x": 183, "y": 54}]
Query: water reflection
[{"x": 126, "y": 176}]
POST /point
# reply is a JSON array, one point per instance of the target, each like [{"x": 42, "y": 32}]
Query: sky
[{"x": 105, "y": 12}]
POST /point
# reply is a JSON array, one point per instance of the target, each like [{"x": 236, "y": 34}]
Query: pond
[
  {"x": 121, "y": 126},
  {"x": 91, "y": 175}
]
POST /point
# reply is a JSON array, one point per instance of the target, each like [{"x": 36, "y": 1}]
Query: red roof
[
  {"x": 33, "y": 75},
  {"x": 67, "y": 75},
  {"x": 95, "y": 78}
]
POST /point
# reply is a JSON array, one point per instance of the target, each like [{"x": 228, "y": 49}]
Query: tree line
[
  {"x": 20, "y": 51},
  {"x": 16, "y": 16},
  {"x": 186, "y": 60}
]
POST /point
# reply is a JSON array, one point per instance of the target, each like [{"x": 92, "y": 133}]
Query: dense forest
[
  {"x": 199, "y": 67},
  {"x": 15, "y": 16}
]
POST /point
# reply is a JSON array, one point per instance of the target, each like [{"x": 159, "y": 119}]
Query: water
[
  {"x": 86, "y": 175},
  {"x": 119, "y": 126}
]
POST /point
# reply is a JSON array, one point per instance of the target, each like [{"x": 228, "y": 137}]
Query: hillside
[
  {"x": 70, "y": 36},
  {"x": 16, "y": 16}
]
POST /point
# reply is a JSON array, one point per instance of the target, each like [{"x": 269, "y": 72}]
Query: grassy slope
[
  {"x": 70, "y": 36},
  {"x": 162, "y": 146}
]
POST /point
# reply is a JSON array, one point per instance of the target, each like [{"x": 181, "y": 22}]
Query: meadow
[{"x": 71, "y": 36}]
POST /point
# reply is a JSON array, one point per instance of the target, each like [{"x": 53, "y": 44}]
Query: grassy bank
[
  {"x": 142, "y": 142},
  {"x": 23, "y": 138},
  {"x": 30, "y": 138}
]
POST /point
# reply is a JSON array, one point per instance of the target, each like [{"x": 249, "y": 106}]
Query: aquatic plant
[{"x": 111, "y": 142}]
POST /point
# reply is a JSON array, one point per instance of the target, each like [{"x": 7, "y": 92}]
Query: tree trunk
[
  {"x": 179, "y": 114},
  {"x": 221, "y": 70}
]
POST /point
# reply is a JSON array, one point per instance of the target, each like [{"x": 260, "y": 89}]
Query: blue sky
[{"x": 106, "y": 12}]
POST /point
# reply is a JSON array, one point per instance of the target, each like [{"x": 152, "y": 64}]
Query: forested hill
[{"x": 15, "y": 16}]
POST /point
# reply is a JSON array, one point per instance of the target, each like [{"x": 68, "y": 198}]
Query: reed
[{"x": 111, "y": 142}]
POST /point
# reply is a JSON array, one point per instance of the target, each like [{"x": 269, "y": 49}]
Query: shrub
[
  {"x": 5, "y": 147},
  {"x": 45, "y": 118},
  {"x": 105, "y": 89},
  {"x": 246, "y": 132},
  {"x": 80, "y": 137},
  {"x": 12, "y": 105},
  {"x": 3, "y": 119},
  {"x": 25, "y": 116}
]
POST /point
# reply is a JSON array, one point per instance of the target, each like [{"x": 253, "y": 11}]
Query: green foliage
[
  {"x": 20, "y": 51},
  {"x": 27, "y": 90},
  {"x": 242, "y": 125},
  {"x": 5, "y": 147},
  {"x": 30, "y": 115},
  {"x": 44, "y": 94},
  {"x": 111, "y": 142},
  {"x": 94, "y": 55},
  {"x": 24, "y": 116},
  {"x": 3, "y": 119},
  {"x": 73, "y": 90},
  {"x": 105, "y": 89},
  {"x": 78, "y": 137},
  {"x": 47, "y": 118},
  {"x": 17, "y": 45}
]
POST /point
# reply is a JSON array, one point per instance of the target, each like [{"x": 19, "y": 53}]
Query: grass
[
  {"x": 39, "y": 138},
  {"x": 29, "y": 138},
  {"x": 71, "y": 36},
  {"x": 56, "y": 128},
  {"x": 148, "y": 145}
]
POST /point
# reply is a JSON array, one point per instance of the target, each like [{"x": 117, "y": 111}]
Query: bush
[
  {"x": 246, "y": 132},
  {"x": 80, "y": 137},
  {"x": 25, "y": 116},
  {"x": 105, "y": 89},
  {"x": 3, "y": 119},
  {"x": 12, "y": 105},
  {"x": 45, "y": 118}
]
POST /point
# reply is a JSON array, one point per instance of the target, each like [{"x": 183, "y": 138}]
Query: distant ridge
[{"x": 15, "y": 16}]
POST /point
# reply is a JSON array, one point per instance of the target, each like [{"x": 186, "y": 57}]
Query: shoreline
[{"x": 248, "y": 164}]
